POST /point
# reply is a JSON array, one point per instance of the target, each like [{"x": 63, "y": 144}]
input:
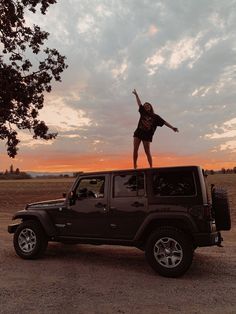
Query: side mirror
[{"x": 72, "y": 198}]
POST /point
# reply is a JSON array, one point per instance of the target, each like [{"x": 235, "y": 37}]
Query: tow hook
[{"x": 219, "y": 241}]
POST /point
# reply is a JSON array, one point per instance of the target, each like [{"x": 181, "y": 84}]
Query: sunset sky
[{"x": 180, "y": 56}]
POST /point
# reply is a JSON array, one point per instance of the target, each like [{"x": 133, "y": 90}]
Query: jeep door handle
[{"x": 137, "y": 204}]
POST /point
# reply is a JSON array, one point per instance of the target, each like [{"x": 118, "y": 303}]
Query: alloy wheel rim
[
  {"x": 27, "y": 240},
  {"x": 168, "y": 252}
]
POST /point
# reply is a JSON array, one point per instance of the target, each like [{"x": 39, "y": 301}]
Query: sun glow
[{"x": 99, "y": 162}]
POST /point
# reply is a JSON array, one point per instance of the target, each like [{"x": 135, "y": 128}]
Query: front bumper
[{"x": 208, "y": 239}]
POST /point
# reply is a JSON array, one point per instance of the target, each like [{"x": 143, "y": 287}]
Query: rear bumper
[
  {"x": 12, "y": 227},
  {"x": 208, "y": 239}
]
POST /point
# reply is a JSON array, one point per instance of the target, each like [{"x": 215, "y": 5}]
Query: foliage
[{"x": 23, "y": 83}]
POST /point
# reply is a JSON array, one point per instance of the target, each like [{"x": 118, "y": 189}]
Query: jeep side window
[
  {"x": 174, "y": 183},
  {"x": 126, "y": 185},
  {"x": 92, "y": 187}
]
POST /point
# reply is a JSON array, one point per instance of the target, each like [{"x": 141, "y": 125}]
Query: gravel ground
[{"x": 110, "y": 279}]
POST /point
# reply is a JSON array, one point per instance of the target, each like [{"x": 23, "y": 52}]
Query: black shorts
[{"x": 142, "y": 135}]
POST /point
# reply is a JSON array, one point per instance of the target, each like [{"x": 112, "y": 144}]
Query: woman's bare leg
[
  {"x": 146, "y": 146},
  {"x": 137, "y": 142}
]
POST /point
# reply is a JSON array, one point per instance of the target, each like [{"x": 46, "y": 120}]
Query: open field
[{"x": 109, "y": 279}]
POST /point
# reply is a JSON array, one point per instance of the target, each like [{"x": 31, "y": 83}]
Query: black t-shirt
[{"x": 148, "y": 122}]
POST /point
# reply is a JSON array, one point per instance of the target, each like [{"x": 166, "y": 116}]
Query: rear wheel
[
  {"x": 30, "y": 240},
  {"x": 169, "y": 252}
]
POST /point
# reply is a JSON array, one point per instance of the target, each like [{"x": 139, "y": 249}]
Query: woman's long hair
[{"x": 152, "y": 110}]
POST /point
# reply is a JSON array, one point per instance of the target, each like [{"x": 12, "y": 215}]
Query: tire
[
  {"x": 30, "y": 241},
  {"x": 169, "y": 252},
  {"x": 221, "y": 209}
]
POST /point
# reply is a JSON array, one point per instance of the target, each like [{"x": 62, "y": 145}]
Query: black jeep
[{"x": 164, "y": 211}]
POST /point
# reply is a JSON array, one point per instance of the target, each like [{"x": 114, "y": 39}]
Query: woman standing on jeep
[{"x": 147, "y": 125}]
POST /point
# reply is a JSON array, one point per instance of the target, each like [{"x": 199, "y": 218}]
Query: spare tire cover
[{"x": 221, "y": 209}]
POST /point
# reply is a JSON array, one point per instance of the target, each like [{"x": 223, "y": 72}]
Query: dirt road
[
  {"x": 88, "y": 279},
  {"x": 109, "y": 279}
]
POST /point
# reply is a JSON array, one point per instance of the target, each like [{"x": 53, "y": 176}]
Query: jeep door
[
  {"x": 128, "y": 204},
  {"x": 87, "y": 215}
]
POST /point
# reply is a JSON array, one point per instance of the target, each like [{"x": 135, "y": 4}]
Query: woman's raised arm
[{"x": 137, "y": 97}]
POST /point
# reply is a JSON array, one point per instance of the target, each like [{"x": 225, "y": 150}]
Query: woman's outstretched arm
[
  {"x": 171, "y": 127},
  {"x": 137, "y": 97}
]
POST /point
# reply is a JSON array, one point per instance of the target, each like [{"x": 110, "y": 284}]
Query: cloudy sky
[{"x": 180, "y": 56}]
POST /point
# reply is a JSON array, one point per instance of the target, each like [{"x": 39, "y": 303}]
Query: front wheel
[
  {"x": 30, "y": 240},
  {"x": 169, "y": 252}
]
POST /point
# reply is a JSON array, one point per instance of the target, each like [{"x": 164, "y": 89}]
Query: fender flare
[
  {"x": 41, "y": 216},
  {"x": 185, "y": 218}
]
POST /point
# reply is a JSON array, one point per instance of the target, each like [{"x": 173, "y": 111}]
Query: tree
[
  {"x": 223, "y": 170},
  {"x": 11, "y": 169},
  {"x": 22, "y": 84}
]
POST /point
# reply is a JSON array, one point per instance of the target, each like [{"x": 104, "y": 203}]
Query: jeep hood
[{"x": 46, "y": 204}]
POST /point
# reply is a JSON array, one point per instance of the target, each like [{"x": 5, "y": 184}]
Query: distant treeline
[
  {"x": 12, "y": 174},
  {"x": 222, "y": 171},
  {"x": 52, "y": 176},
  {"x": 17, "y": 174}
]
